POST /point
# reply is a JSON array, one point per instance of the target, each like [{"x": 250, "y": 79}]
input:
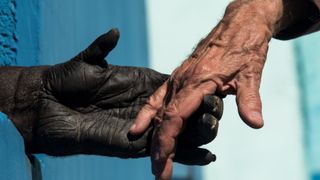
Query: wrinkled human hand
[
  {"x": 228, "y": 61},
  {"x": 86, "y": 106}
]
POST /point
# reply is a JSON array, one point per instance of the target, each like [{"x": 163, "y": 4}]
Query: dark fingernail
[
  {"x": 208, "y": 127},
  {"x": 115, "y": 31},
  {"x": 213, "y": 158},
  {"x": 213, "y": 105},
  {"x": 256, "y": 118}
]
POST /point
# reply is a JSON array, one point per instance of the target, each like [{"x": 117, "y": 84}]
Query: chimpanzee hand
[{"x": 86, "y": 106}]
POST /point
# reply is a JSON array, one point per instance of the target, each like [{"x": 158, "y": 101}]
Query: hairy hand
[{"x": 228, "y": 61}]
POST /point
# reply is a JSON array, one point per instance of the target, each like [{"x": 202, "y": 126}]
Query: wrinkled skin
[
  {"x": 228, "y": 61},
  {"x": 86, "y": 106}
]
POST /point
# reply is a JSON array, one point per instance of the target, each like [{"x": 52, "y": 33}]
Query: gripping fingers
[
  {"x": 207, "y": 128},
  {"x": 194, "y": 156},
  {"x": 212, "y": 104},
  {"x": 199, "y": 130},
  {"x": 180, "y": 107}
]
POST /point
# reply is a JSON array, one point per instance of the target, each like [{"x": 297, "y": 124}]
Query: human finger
[
  {"x": 163, "y": 171},
  {"x": 149, "y": 111},
  {"x": 178, "y": 110},
  {"x": 249, "y": 102}
]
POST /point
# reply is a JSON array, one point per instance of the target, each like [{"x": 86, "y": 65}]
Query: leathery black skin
[{"x": 86, "y": 106}]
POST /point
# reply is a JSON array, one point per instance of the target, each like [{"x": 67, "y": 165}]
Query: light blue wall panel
[{"x": 308, "y": 64}]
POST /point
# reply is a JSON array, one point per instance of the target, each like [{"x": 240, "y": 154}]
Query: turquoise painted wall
[
  {"x": 8, "y": 38},
  {"x": 66, "y": 27},
  {"x": 308, "y": 65},
  {"x": 14, "y": 164}
]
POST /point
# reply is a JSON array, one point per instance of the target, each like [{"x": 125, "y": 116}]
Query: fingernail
[
  {"x": 214, "y": 158},
  {"x": 133, "y": 127},
  {"x": 257, "y": 117},
  {"x": 210, "y": 157}
]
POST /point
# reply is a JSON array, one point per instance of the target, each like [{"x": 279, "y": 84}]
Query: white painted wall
[{"x": 274, "y": 152}]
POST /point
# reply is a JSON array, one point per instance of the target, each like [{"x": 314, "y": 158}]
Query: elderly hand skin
[{"x": 228, "y": 61}]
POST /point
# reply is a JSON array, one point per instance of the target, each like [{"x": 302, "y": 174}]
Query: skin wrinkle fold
[
  {"x": 116, "y": 131},
  {"x": 16, "y": 90}
]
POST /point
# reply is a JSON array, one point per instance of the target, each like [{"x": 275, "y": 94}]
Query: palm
[{"x": 92, "y": 104}]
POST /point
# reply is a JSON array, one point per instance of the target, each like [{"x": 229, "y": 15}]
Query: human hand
[
  {"x": 87, "y": 106},
  {"x": 228, "y": 61}
]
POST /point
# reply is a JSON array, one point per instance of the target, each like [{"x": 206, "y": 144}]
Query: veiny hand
[
  {"x": 87, "y": 106},
  {"x": 228, "y": 61}
]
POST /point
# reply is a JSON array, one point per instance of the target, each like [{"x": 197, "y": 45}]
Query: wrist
[
  {"x": 300, "y": 17},
  {"x": 27, "y": 95},
  {"x": 261, "y": 13},
  {"x": 8, "y": 78},
  {"x": 19, "y": 100}
]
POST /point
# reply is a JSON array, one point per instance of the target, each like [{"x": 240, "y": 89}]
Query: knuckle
[
  {"x": 217, "y": 107},
  {"x": 252, "y": 98},
  {"x": 252, "y": 74},
  {"x": 250, "y": 71},
  {"x": 174, "y": 119},
  {"x": 152, "y": 104},
  {"x": 163, "y": 140},
  {"x": 171, "y": 111},
  {"x": 231, "y": 6},
  {"x": 147, "y": 108}
]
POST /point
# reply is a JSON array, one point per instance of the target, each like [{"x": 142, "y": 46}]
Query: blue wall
[
  {"x": 308, "y": 65},
  {"x": 14, "y": 165},
  {"x": 66, "y": 27},
  {"x": 13, "y": 161},
  {"x": 27, "y": 31},
  {"x": 8, "y": 39}
]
